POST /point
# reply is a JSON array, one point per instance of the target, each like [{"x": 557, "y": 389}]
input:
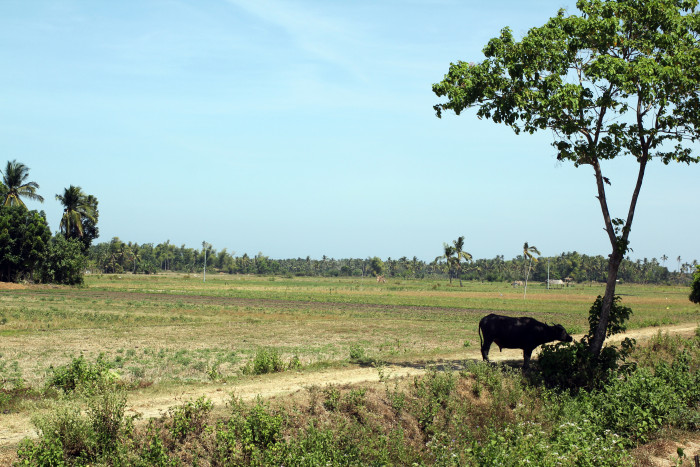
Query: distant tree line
[
  {"x": 117, "y": 256},
  {"x": 28, "y": 250}
]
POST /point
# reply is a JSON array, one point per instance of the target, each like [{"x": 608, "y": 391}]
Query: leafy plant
[
  {"x": 432, "y": 394},
  {"x": 332, "y": 398},
  {"x": 574, "y": 366},
  {"x": 266, "y": 360},
  {"x": 189, "y": 418},
  {"x": 70, "y": 436},
  {"x": 78, "y": 372}
]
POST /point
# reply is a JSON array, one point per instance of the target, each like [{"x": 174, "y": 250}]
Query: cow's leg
[
  {"x": 485, "y": 348},
  {"x": 527, "y": 353}
]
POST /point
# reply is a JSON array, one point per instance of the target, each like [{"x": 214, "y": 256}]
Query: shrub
[
  {"x": 105, "y": 412},
  {"x": 78, "y": 373},
  {"x": 189, "y": 418},
  {"x": 294, "y": 363},
  {"x": 357, "y": 352},
  {"x": 432, "y": 393},
  {"x": 262, "y": 428},
  {"x": 332, "y": 400},
  {"x": 266, "y": 360},
  {"x": 68, "y": 437},
  {"x": 358, "y": 355},
  {"x": 616, "y": 321},
  {"x": 572, "y": 365},
  {"x": 153, "y": 451}
]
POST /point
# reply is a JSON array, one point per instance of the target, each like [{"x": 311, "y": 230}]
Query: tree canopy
[
  {"x": 695, "y": 287},
  {"x": 620, "y": 78},
  {"x": 24, "y": 236},
  {"x": 79, "y": 215},
  {"x": 15, "y": 186},
  {"x": 27, "y": 249}
]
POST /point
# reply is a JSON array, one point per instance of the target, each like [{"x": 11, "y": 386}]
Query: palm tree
[
  {"x": 527, "y": 253},
  {"x": 664, "y": 258},
  {"x": 76, "y": 209},
  {"x": 448, "y": 257},
  {"x": 15, "y": 186},
  {"x": 459, "y": 253}
]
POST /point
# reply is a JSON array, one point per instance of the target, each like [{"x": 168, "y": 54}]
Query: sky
[{"x": 303, "y": 128}]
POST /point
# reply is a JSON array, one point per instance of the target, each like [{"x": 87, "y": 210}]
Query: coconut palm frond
[{"x": 15, "y": 185}]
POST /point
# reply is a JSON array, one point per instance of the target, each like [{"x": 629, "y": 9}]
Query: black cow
[{"x": 518, "y": 333}]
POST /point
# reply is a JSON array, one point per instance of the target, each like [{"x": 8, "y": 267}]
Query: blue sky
[{"x": 298, "y": 128}]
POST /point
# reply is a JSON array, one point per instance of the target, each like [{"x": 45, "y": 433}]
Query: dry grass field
[
  {"x": 173, "y": 337},
  {"x": 175, "y": 329}
]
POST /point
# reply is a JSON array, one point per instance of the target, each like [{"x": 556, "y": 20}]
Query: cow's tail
[{"x": 481, "y": 342}]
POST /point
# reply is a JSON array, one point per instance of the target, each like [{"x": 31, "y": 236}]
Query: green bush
[
  {"x": 332, "y": 398},
  {"x": 266, "y": 360},
  {"x": 189, "y": 418},
  {"x": 572, "y": 365},
  {"x": 64, "y": 261},
  {"x": 79, "y": 373},
  {"x": 639, "y": 405},
  {"x": 357, "y": 352},
  {"x": 153, "y": 451},
  {"x": 262, "y": 428},
  {"x": 72, "y": 436},
  {"x": 432, "y": 393}
]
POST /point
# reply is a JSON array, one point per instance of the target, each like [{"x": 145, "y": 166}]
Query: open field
[
  {"x": 175, "y": 329},
  {"x": 173, "y": 338}
]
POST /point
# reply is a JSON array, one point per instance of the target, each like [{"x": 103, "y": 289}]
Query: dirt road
[{"x": 15, "y": 427}]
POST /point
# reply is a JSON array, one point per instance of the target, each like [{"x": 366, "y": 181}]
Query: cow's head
[{"x": 561, "y": 333}]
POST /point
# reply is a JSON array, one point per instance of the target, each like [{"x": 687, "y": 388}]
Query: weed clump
[
  {"x": 74, "y": 434},
  {"x": 79, "y": 373},
  {"x": 268, "y": 360}
]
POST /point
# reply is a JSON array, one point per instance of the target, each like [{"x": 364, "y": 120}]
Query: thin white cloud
[{"x": 330, "y": 39}]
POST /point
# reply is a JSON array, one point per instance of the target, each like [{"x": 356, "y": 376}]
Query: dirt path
[{"x": 15, "y": 427}]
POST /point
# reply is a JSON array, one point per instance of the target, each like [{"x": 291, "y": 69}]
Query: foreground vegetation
[{"x": 483, "y": 415}]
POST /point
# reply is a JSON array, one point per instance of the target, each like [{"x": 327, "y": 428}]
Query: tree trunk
[
  {"x": 599, "y": 335},
  {"x": 619, "y": 247},
  {"x": 527, "y": 276}
]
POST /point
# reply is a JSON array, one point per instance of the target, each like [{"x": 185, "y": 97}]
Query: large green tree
[
  {"x": 15, "y": 186},
  {"x": 80, "y": 215},
  {"x": 695, "y": 286},
  {"x": 24, "y": 236},
  {"x": 622, "y": 78}
]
